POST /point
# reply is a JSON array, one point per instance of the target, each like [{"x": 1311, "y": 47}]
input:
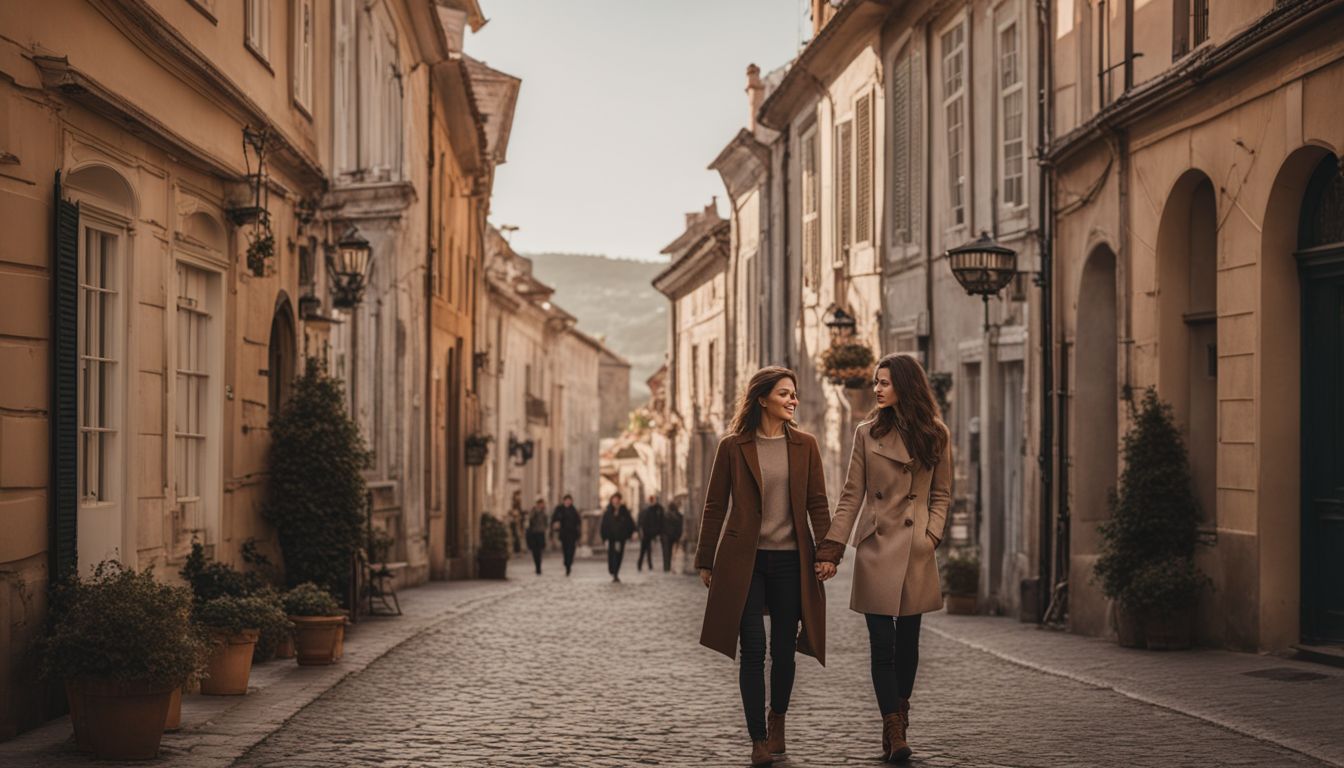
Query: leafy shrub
[
  {"x": 961, "y": 574},
  {"x": 315, "y": 497},
  {"x": 1164, "y": 587},
  {"x": 211, "y": 579},
  {"x": 494, "y": 537},
  {"x": 231, "y": 615},
  {"x": 308, "y": 599},
  {"x": 121, "y": 625}
]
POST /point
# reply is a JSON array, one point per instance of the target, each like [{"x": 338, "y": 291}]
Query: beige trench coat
[{"x": 892, "y": 505}]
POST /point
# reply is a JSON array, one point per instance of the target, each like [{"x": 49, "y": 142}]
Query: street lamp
[
  {"x": 842, "y": 324},
  {"x": 983, "y": 267},
  {"x": 348, "y": 265}
]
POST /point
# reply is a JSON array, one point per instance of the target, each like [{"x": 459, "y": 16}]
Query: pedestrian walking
[
  {"x": 772, "y": 472},
  {"x": 566, "y": 524},
  {"x": 537, "y": 525},
  {"x": 672, "y": 529},
  {"x": 617, "y": 528},
  {"x": 650, "y": 528},
  {"x": 516, "y": 521},
  {"x": 900, "y": 475}
]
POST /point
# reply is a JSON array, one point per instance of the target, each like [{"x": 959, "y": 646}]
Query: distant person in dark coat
[
  {"x": 537, "y": 524},
  {"x": 566, "y": 524},
  {"x": 650, "y": 528},
  {"x": 617, "y": 528},
  {"x": 672, "y": 529}
]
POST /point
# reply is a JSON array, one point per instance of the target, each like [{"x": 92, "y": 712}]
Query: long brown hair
[
  {"x": 918, "y": 421},
  {"x": 748, "y": 416}
]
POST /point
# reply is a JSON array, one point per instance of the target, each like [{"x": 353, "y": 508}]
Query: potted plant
[
  {"x": 233, "y": 625},
  {"x": 849, "y": 363},
  {"x": 1146, "y": 564},
  {"x": 961, "y": 582},
  {"x": 212, "y": 579},
  {"x": 492, "y": 559},
  {"x": 260, "y": 248},
  {"x": 315, "y": 492},
  {"x": 319, "y": 624},
  {"x": 122, "y": 642}
]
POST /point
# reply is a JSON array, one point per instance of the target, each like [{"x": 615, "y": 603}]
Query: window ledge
[
  {"x": 259, "y": 56},
  {"x": 204, "y": 10}
]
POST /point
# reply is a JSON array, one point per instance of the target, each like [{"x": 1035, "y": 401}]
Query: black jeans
[
  {"x": 567, "y": 549},
  {"x": 537, "y": 543},
  {"x": 615, "y": 553},
  {"x": 894, "y": 644},
  {"x": 775, "y": 585},
  {"x": 667, "y": 553},
  {"x": 645, "y": 551}
]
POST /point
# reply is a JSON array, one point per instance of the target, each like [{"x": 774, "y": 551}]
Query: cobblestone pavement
[{"x": 584, "y": 672}]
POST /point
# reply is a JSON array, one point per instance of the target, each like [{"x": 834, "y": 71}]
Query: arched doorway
[
  {"x": 1187, "y": 269},
  {"x": 1093, "y": 449},
  {"x": 280, "y": 357},
  {"x": 1320, "y": 260}
]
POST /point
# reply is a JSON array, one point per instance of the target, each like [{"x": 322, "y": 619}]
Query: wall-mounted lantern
[
  {"x": 477, "y": 446},
  {"x": 520, "y": 450},
  {"x": 983, "y": 267},
  {"x": 348, "y": 266},
  {"x": 842, "y": 324}
]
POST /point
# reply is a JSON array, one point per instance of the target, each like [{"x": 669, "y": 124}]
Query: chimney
[{"x": 755, "y": 94}]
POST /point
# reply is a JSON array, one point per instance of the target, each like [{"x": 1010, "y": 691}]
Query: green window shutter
[{"x": 64, "y": 415}]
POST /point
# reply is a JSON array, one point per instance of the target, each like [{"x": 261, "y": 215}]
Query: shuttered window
[
  {"x": 811, "y": 210},
  {"x": 954, "y": 117},
  {"x": 907, "y": 165},
  {"x": 66, "y": 469},
  {"x": 863, "y": 169},
  {"x": 844, "y": 189}
]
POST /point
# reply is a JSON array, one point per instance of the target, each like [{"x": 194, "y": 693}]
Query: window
[
  {"x": 303, "y": 54},
  {"x": 368, "y": 94},
  {"x": 709, "y": 388},
  {"x": 811, "y": 210},
  {"x": 99, "y": 353},
  {"x": 695, "y": 375},
  {"x": 906, "y": 147},
  {"x": 844, "y": 189},
  {"x": 1011, "y": 97},
  {"x": 1189, "y": 25},
  {"x": 195, "y": 403},
  {"x": 863, "y": 169},
  {"x": 258, "y": 28},
  {"x": 954, "y": 115}
]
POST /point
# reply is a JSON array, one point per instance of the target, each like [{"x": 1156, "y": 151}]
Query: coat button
[
  {"x": 878, "y": 494},
  {"x": 911, "y": 497},
  {"x": 909, "y": 522}
]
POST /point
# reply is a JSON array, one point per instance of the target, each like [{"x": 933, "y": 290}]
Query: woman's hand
[
  {"x": 705, "y": 576},
  {"x": 824, "y": 570}
]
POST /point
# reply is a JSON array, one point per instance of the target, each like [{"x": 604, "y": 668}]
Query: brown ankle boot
[
  {"x": 760, "y": 754},
  {"x": 895, "y": 749},
  {"x": 774, "y": 729}
]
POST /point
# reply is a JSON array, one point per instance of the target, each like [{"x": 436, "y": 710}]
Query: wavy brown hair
[
  {"x": 748, "y": 416},
  {"x": 915, "y": 417}
]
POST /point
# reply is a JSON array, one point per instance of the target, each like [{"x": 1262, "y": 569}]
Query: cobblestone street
[{"x": 584, "y": 672}]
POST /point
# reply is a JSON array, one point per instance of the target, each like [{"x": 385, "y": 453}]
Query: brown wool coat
[
  {"x": 892, "y": 504},
  {"x": 733, "y": 507}
]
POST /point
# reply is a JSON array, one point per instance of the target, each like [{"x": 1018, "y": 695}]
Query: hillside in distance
[{"x": 613, "y": 299}]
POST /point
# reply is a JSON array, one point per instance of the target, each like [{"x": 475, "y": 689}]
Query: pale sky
[{"x": 623, "y": 105}]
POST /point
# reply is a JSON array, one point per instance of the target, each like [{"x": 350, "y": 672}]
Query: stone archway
[{"x": 1093, "y": 451}]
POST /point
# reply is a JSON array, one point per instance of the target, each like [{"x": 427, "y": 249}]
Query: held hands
[
  {"x": 824, "y": 570},
  {"x": 705, "y": 576}
]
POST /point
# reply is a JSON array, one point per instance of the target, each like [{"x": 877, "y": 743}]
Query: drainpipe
[
  {"x": 1044, "y": 206},
  {"x": 430, "y": 400},
  {"x": 785, "y": 138}
]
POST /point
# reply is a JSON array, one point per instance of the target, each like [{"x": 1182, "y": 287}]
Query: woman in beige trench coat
[
  {"x": 767, "y": 496},
  {"x": 895, "y": 501}
]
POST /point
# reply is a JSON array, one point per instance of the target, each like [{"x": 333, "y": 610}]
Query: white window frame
[
  {"x": 204, "y": 521},
  {"x": 954, "y": 101},
  {"x": 257, "y": 28},
  {"x": 1007, "y": 91},
  {"x": 105, "y": 428},
  {"x": 302, "y": 64}
]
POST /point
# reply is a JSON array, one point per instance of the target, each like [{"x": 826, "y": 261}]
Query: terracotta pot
[
  {"x": 230, "y": 664},
  {"x": 174, "y": 720},
  {"x": 125, "y": 720},
  {"x": 317, "y": 639},
  {"x": 285, "y": 648},
  {"x": 492, "y": 567},
  {"x": 961, "y": 605},
  {"x": 1169, "y": 631},
  {"x": 1128, "y": 628},
  {"x": 74, "y": 696}
]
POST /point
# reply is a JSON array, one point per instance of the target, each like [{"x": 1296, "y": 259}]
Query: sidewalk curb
[{"x": 1171, "y": 706}]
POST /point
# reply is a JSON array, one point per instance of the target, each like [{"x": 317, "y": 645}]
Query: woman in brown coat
[
  {"x": 896, "y": 497},
  {"x": 765, "y": 487}
]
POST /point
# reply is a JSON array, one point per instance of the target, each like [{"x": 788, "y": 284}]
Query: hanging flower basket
[
  {"x": 848, "y": 363},
  {"x": 260, "y": 250}
]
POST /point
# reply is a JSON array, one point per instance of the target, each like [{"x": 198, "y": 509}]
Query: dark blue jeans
[
  {"x": 775, "y": 586},
  {"x": 615, "y": 554},
  {"x": 894, "y": 644}
]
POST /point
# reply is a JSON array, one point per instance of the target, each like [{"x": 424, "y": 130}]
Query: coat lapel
[
  {"x": 797, "y": 478},
  {"x": 748, "y": 446},
  {"x": 893, "y": 447}
]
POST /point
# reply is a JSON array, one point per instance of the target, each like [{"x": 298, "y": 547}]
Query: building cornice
[
  {"x": 707, "y": 255},
  {"x": 743, "y": 161},
  {"x": 1274, "y": 28}
]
